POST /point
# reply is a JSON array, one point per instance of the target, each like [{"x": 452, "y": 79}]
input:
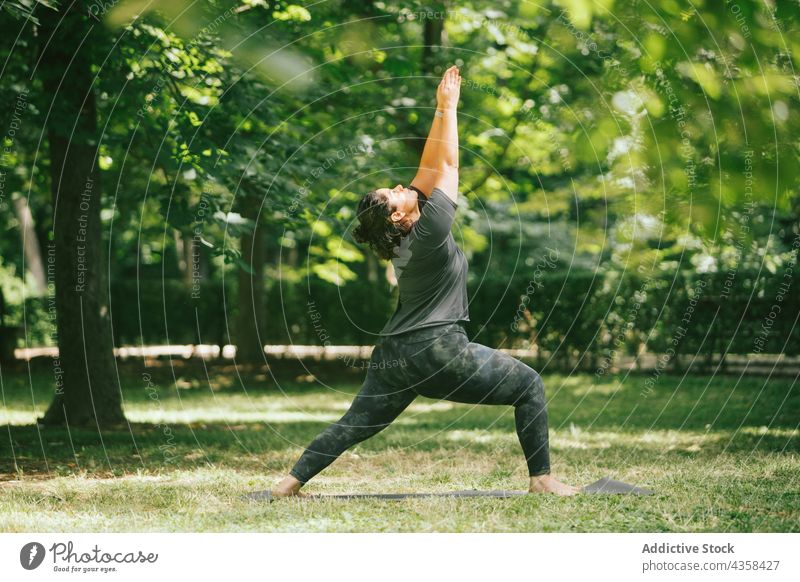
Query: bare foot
[
  {"x": 289, "y": 487},
  {"x": 549, "y": 484}
]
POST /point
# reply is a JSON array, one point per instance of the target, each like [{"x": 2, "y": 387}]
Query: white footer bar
[{"x": 390, "y": 557}]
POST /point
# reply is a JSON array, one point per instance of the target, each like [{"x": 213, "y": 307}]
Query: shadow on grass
[
  {"x": 269, "y": 423},
  {"x": 253, "y": 447}
]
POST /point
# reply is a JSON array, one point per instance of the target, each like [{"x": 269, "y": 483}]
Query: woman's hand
[
  {"x": 438, "y": 167},
  {"x": 449, "y": 90}
]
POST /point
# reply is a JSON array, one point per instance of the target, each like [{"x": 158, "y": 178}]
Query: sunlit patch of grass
[
  {"x": 584, "y": 388},
  {"x": 195, "y": 414},
  {"x": 719, "y": 458}
]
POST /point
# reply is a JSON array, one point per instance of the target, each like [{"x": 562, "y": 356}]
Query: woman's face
[{"x": 402, "y": 200}]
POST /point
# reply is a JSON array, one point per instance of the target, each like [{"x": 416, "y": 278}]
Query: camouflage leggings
[{"x": 438, "y": 362}]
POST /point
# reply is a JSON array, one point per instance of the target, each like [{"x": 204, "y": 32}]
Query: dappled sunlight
[
  {"x": 664, "y": 440},
  {"x": 667, "y": 440},
  {"x": 237, "y": 408},
  {"x": 430, "y": 406},
  {"x": 417, "y": 406},
  {"x": 477, "y": 436},
  {"x": 221, "y": 445},
  {"x": 19, "y": 417},
  {"x": 693, "y": 495},
  {"x": 559, "y": 382},
  {"x": 776, "y": 432},
  {"x": 603, "y": 389},
  {"x": 661, "y": 440},
  {"x": 192, "y": 415}
]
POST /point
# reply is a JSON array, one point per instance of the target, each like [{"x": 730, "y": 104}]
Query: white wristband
[{"x": 439, "y": 113}]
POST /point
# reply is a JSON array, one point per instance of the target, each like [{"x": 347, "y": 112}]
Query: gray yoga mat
[{"x": 606, "y": 485}]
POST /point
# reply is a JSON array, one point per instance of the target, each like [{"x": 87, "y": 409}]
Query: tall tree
[
  {"x": 251, "y": 288},
  {"x": 88, "y": 393}
]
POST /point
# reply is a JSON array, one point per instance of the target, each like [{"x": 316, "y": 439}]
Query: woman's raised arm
[{"x": 438, "y": 167}]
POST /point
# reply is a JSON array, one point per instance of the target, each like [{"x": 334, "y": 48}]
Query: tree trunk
[
  {"x": 189, "y": 267},
  {"x": 30, "y": 244},
  {"x": 249, "y": 345},
  {"x": 432, "y": 41},
  {"x": 181, "y": 258},
  {"x": 86, "y": 389}
]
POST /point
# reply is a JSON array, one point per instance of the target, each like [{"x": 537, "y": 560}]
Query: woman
[{"x": 424, "y": 349}]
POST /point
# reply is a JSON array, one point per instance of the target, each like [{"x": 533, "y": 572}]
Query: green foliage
[
  {"x": 626, "y": 135},
  {"x": 26, "y": 9}
]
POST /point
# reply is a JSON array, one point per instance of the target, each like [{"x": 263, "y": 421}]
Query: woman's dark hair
[{"x": 376, "y": 227}]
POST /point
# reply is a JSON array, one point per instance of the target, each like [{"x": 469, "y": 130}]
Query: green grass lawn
[{"x": 722, "y": 454}]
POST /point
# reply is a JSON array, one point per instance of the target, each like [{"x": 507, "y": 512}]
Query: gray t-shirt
[{"x": 431, "y": 270}]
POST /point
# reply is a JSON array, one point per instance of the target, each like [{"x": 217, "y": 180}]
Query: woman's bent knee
[
  {"x": 534, "y": 385},
  {"x": 537, "y": 381}
]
